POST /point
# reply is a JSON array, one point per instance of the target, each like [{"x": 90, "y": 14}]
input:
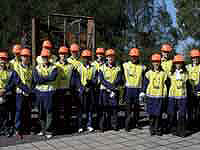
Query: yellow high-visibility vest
[
  {"x": 110, "y": 74},
  {"x": 194, "y": 74},
  {"x": 75, "y": 62},
  {"x": 4, "y": 78},
  {"x": 178, "y": 87},
  {"x": 156, "y": 86},
  {"x": 86, "y": 73},
  {"x": 167, "y": 66},
  {"x": 64, "y": 75},
  {"x": 25, "y": 75},
  {"x": 133, "y": 74},
  {"x": 44, "y": 72}
]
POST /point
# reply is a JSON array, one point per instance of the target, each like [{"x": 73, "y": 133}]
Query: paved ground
[{"x": 121, "y": 140}]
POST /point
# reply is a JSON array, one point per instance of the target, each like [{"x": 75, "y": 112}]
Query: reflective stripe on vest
[
  {"x": 44, "y": 72},
  {"x": 156, "y": 86},
  {"x": 133, "y": 75},
  {"x": 109, "y": 74},
  {"x": 64, "y": 75},
  {"x": 178, "y": 87}
]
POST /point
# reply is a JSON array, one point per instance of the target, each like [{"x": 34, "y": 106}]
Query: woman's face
[
  {"x": 63, "y": 56},
  {"x": 195, "y": 60},
  {"x": 165, "y": 55},
  {"x": 110, "y": 59},
  {"x": 156, "y": 65},
  {"x": 178, "y": 66}
]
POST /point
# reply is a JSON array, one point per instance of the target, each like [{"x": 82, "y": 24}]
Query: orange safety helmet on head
[
  {"x": 17, "y": 48},
  {"x": 74, "y": 47},
  {"x": 156, "y": 57},
  {"x": 110, "y": 52},
  {"x": 134, "y": 52},
  {"x": 166, "y": 48},
  {"x": 45, "y": 53},
  {"x": 63, "y": 50},
  {"x": 4, "y": 55},
  {"x": 47, "y": 44},
  {"x": 194, "y": 53},
  {"x": 178, "y": 59},
  {"x": 25, "y": 52},
  {"x": 100, "y": 51},
  {"x": 86, "y": 53}
]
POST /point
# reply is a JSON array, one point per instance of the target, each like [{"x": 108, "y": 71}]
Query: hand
[
  {"x": 112, "y": 94},
  {"x": 142, "y": 94},
  {"x": 2, "y": 92}
]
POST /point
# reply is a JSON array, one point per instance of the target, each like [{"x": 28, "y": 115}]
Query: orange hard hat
[
  {"x": 178, "y": 59},
  {"x": 3, "y": 55},
  {"x": 25, "y": 52},
  {"x": 110, "y": 52},
  {"x": 194, "y": 53},
  {"x": 86, "y": 53},
  {"x": 63, "y": 50},
  {"x": 100, "y": 51},
  {"x": 156, "y": 57},
  {"x": 47, "y": 44},
  {"x": 45, "y": 53},
  {"x": 134, "y": 52},
  {"x": 17, "y": 48},
  {"x": 74, "y": 47},
  {"x": 166, "y": 48}
]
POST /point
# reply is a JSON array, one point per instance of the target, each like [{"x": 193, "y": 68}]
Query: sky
[{"x": 172, "y": 11}]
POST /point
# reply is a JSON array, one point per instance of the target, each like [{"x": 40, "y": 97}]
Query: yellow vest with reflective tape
[
  {"x": 156, "y": 86},
  {"x": 64, "y": 75},
  {"x": 4, "y": 78},
  {"x": 194, "y": 74},
  {"x": 75, "y": 62},
  {"x": 14, "y": 63},
  {"x": 86, "y": 73},
  {"x": 133, "y": 74},
  {"x": 44, "y": 72},
  {"x": 178, "y": 87},
  {"x": 52, "y": 59},
  {"x": 167, "y": 66},
  {"x": 109, "y": 74},
  {"x": 25, "y": 75}
]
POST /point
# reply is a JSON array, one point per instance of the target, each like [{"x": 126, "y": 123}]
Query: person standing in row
[
  {"x": 133, "y": 75},
  {"x": 44, "y": 77},
  {"x": 178, "y": 96},
  {"x": 64, "y": 84},
  {"x": 23, "y": 101},
  {"x": 110, "y": 79},
  {"x": 156, "y": 90},
  {"x": 86, "y": 80}
]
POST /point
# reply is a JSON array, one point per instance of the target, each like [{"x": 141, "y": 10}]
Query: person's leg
[
  {"x": 114, "y": 118},
  {"x": 182, "y": 108},
  {"x": 128, "y": 117},
  {"x": 48, "y": 108},
  {"x": 18, "y": 124}
]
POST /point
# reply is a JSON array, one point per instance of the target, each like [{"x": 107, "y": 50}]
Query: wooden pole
[{"x": 34, "y": 41}]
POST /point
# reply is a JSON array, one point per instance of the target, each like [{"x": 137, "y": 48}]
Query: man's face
[
  {"x": 100, "y": 58},
  {"x": 86, "y": 60},
  {"x": 25, "y": 59},
  {"x": 45, "y": 60},
  {"x": 134, "y": 59},
  {"x": 74, "y": 54},
  {"x": 3, "y": 62}
]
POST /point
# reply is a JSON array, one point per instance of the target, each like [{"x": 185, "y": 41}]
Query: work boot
[{"x": 158, "y": 130}]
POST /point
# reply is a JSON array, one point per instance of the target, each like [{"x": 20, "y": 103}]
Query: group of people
[{"x": 170, "y": 88}]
